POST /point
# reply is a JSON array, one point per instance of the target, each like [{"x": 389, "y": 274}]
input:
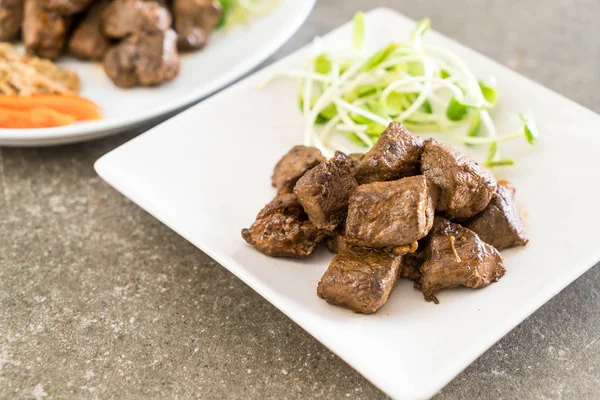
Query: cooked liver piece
[
  {"x": 499, "y": 224},
  {"x": 124, "y": 17},
  {"x": 11, "y": 17},
  {"x": 396, "y": 155},
  {"x": 143, "y": 59},
  {"x": 391, "y": 214},
  {"x": 360, "y": 279},
  {"x": 292, "y": 166},
  {"x": 337, "y": 242},
  {"x": 87, "y": 41},
  {"x": 44, "y": 31},
  {"x": 66, "y": 7},
  {"x": 195, "y": 20},
  {"x": 282, "y": 229},
  {"x": 354, "y": 159},
  {"x": 466, "y": 188},
  {"x": 410, "y": 267},
  {"x": 324, "y": 191},
  {"x": 456, "y": 256}
]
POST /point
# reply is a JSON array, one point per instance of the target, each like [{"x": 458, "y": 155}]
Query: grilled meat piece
[
  {"x": 293, "y": 166},
  {"x": 354, "y": 159},
  {"x": 411, "y": 263},
  {"x": 360, "y": 279},
  {"x": 391, "y": 214},
  {"x": 11, "y": 17},
  {"x": 456, "y": 256},
  {"x": 396, "y": 155},
  {"x": 195, "y": 21},
  {"x": 143, "y": 59},
  {"x": 125, "y": 17},
  {"x": 324, "y": 191},
  {"x": 66, "y": 7},
  {"x": 337, "y": 242},
  {"x": 282, "y": 229},
  {"x": 499, "y": 224},
  {"x": 44, "y": 31},
  {"x": 466, "y": 188},
  {"x": 87, "y": 41}
]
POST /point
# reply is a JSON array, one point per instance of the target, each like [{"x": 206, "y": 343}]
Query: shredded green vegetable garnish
[
  {"x": 426, "y": 87},
  {"x": 241, "y": 11}
]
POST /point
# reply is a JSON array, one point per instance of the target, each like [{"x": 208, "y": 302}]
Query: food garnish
[
  {"x": 241, "y": 11},
  {"x": 80, "y": 108},
  {"x": 27, "y": 75},
  {"x": 39, "y": 117},
  {"x": 427, "y": 87}
]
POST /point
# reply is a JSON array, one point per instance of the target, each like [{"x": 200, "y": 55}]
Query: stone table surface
[{"x": 100, "y": 300}]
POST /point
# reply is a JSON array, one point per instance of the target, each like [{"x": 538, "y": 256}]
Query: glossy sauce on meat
[
  {"x": 292, "y": 166},
  {"x": 282, "y": 229},
  {"x": 466, "y": 188},
  {"x": 391, "y": 214},
  {"x": 499, "y": 224},
  {"x": 143, "y": 59},
  {"x": 125, "y": 17},
  {"x": 360, "y": 279},
  {"x": 456, "y": 256},
  {"x": 195, "y": 21},
  {"x": 396, "y": 155},
  {"x": 88, "y": 42},
  {"x": 324, "y": 192},
  {"x": 11, "y": 17},
  {"x": 44, "y": 31}
]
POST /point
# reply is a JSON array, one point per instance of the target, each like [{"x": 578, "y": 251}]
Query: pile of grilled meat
[
  {"x": 410, "y": 208},
  {"x": 138, "y": 40}
]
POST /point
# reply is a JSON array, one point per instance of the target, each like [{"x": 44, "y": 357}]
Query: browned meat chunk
[
  {"x": 124, "y": 17},
  {"x": 499, "y": 224},
  {"x": 466, "y": 188},
  {"x": 44, "y": 31},
  {"x": 396, "y": 155},
  {"x": 66, "y": 7},
  {"x": 87, "y": 41},
  {"x": 11, "y": 16},
  {"x": 456, "y": 256},
  {"x": 293, "y": 166},
  {"x": 337, "y": 242},
  {"x": 391, "y": 214},
  {"x": 354, "y": 159},
  {"x": 195, "y": 21},
  {"x": 360, "y": 279},
  {"x": 144, "y": 59},
  {"x": 411, "y": 263},
  {"x": 282, "y": 229},
  {"x": 324, "y": 191}
]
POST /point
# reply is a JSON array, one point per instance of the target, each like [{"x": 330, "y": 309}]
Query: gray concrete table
[{"x": 100, "y": 300}]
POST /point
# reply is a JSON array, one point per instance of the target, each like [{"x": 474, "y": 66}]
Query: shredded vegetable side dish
[{"x": 426, "y": 87}]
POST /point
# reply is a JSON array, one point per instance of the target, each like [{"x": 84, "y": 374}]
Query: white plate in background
[
  {"x": 206, "y": 173},
  {"x": 229, "y": 55}
]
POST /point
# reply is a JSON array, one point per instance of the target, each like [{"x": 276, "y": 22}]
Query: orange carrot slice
[
  {"x": 39, "y": 117},
  {"x": 80, "y": 108}
]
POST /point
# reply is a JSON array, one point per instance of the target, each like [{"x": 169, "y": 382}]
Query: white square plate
[{"x": 206, "y": 174}]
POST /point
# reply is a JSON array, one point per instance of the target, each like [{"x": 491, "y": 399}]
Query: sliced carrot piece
[
  {"x": 82, "y": 109},
  {"x": 39, "y": 117}
]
